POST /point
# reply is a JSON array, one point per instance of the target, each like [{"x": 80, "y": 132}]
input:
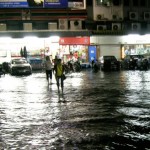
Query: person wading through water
[
  {"x": 48, "y": 68},
  {"x": 59, "y": 70}
]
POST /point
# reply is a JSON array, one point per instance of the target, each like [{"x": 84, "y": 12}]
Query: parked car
[
  {"x": 109, "y": 63},
  {"x": 36, "y": 63},
  {"x": 2, "y": 71},
  {"x": 135, "y": 62},
  {"x": 20, "y": 66}
]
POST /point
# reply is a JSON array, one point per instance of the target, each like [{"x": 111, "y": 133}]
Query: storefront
[
  {"x": 120, "y": 46},
  {"x": 136, "y": 49},
  {"x": 82, "y": 48},
  {"x": 74, "y": 48},
  {"x": 110, "y": 50}
]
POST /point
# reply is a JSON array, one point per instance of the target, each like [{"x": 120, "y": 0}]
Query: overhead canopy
[{"x": 44, "y": 33}]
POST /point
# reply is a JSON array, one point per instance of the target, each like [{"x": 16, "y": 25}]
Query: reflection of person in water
[{"x": 35, "y": 3}]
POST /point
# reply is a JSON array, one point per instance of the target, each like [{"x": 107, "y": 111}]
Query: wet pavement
[{"x": 98, "y": 111}]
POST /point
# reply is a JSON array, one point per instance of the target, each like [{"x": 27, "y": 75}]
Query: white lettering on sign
[
  {"x": 62, "y": 41},
  {"x": 52, "y": 1}
]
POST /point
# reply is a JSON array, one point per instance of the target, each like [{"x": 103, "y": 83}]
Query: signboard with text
[
  {"x": 33, "y": 3},
  {"x": 13, "y": 3},
  {"x": 74, "y": 41},
  {"x": 56, "y": 3},
  {"x": 75, "y": 4},
  {"x": 92, "y": 53}
]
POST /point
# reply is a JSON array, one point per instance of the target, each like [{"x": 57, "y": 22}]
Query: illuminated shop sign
[
  {"x": 74, "y": 41},
  {"x": 13, "y": 3},
  {"x": 33, "y": 3}
]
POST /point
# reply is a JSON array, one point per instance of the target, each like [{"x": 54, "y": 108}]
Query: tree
[
  {"x": 21, "y": 53},
  {"x": 25, "y": 52}
]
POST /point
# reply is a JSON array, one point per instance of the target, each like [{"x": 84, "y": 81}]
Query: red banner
[{"x": 74, "y": 41}]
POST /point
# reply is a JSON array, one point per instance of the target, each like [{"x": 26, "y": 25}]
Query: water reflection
[{"x": 103, "y": 110}]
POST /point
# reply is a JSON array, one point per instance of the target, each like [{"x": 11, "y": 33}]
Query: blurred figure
[
  {"x": 92, "y": 62},
  {"x": 96, "y": 66},
  {"x": 59, "y": 70},
  {"x": 48, "y": 69}
]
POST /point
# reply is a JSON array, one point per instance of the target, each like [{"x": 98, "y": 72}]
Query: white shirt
[{"x": 48, "y": 65}]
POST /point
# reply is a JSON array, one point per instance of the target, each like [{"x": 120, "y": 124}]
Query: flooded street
[{"x": 98, "y": 111}]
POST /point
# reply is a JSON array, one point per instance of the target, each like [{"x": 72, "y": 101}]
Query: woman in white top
[{"x": 48, "y": 68}]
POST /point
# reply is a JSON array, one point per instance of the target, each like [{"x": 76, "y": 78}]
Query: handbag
[{"x": 63, "y": 76}]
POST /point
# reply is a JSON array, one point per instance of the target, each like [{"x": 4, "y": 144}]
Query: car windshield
[
  {"x": 135, "y": 56},
  {"x": 138, "y": 56},
  {"x": 19, "y": 61}
]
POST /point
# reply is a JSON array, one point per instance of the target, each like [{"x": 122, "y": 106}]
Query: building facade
[
  {"x": 114, "y": 24},
  {"x": 106, "y": 22}
]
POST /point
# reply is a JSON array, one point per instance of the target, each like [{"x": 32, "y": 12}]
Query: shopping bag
[{"x": 64, "y": 77}]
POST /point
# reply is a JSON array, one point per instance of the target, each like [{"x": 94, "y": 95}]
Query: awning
[{"x": 74, "y": 41}]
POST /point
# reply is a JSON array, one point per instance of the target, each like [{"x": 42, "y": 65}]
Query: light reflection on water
[{"x": 96, "y": 110}]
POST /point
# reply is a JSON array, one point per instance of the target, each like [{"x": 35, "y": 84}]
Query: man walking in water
[{"x": 59, "y": 70}]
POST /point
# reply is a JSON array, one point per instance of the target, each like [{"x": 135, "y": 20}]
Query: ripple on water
[{"x": 97, "y": 111}]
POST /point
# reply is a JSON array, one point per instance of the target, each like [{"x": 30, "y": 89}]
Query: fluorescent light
[
  {"x": 7, "y": 39},
  {"x": 147, "y": 36},
  {"x": 30, "y": 37},
  {"x": 54, "y": 38}
]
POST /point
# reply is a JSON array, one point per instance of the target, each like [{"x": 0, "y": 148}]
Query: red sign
[{"x": 74, "y": 41}]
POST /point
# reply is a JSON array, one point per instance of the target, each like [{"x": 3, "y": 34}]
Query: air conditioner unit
[
  {"x": 101, "y": 27},
  {"x": 136, "y": 26},
  {"x": 26, "y": 15},
  {"x": 52, "y": 25},
  {"x": 116, "y": 26},
  {"x": 107, "y": 3},
  {"x": 63, "y": 24},
  {"x": 133, "y": 15},
  {"x": 100, "y": 17},
  {"x": 146, "y": 15},
  {"x": 75, "y": 24},
  {"x": 27, "y": 26},
  {"x": 3, "y": 27}
]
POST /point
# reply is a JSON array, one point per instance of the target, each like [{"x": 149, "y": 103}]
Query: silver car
[{"x": 20, "y": 66}]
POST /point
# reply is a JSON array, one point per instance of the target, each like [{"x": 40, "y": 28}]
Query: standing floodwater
[{"x": 98, "y": 111}]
